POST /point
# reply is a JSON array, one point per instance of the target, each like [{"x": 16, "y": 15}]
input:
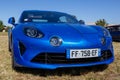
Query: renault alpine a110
[{"x": 50, "y": 40}]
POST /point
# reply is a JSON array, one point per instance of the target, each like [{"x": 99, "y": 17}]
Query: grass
[
  {"x": 3, "y": 33},
  {"x": 112, "y": 72}
]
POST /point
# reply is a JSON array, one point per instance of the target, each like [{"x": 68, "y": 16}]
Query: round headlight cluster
[
  {"x": 55, "y": 41},
  {"x": 32, "y": 32},
  {"x": 106, "y": 33}
]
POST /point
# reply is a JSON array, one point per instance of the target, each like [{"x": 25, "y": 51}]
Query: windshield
[{"x": 47, "y": 17}]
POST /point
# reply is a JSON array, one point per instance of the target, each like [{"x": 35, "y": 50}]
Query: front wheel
[
  {"x": 9, "y": 47},
  {"x": 13, "y": 63},
  {"x": 14, "y": 67}
]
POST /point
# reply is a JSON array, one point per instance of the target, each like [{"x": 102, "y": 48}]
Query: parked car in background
[
  {"x": 50, "y": 40},
  {"x": 114, "y": 31}
]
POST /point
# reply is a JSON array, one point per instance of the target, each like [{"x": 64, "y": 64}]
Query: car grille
[{"x": 60, "y": 58}]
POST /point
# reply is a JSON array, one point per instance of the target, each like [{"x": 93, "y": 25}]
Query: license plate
[{"x": 83, "y": 53}]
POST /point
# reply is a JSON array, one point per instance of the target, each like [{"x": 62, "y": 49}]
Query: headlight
[
  {"x": 55, "y": 41},
  {"x": 32, "y": 32},
  {"x": 106, "y": 33}
]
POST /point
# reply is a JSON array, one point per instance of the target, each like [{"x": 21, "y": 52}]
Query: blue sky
[{"x": 87, "y": 10}]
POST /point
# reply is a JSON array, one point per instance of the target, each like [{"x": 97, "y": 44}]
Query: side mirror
[
  {"x": 81, "y": 21},
  {"x": 11, "y": 20}
]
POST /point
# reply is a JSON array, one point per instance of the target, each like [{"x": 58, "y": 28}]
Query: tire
[
  {"x": 9, "y": 47},
  {"x": 13, "y": 62},
  {"x": 14, "y": 67},
  {"x": 9, "y": 43}
]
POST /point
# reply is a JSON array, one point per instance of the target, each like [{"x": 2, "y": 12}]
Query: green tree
[
  {"x": 101, "y": 22},
  {"x": 1, "y": 26}
]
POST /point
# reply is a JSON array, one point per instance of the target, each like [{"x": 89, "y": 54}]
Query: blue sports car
[{"x": 50, "y": 40}]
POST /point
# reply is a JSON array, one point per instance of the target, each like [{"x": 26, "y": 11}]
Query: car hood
[
  {"x": 66, "y": 28},
  {"x": 68, "y": 32}
]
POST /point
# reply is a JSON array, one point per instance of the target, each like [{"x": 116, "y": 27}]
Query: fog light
[{"x": 55, "y": 41}]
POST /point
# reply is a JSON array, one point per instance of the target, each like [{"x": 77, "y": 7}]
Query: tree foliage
[
  {"x": 1, "y": 26},
  {"x": 101, "y": 22}
]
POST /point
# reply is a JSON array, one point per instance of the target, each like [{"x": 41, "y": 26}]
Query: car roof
[
  {"x": 42, "y": 11},
  {"x": 114, "y": 26}
]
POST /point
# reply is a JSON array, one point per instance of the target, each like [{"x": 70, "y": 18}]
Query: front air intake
[
  {"x": 21, "y": 48},
  {"x": 60, "y": 58}
]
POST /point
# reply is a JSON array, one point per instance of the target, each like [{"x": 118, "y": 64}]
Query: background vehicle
[{"x": 115, "y": 32}]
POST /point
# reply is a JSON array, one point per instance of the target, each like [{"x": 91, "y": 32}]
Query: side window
[
  {"x": 62, "y": 19},
  {"x": 66, "y": 19},
  {"x": 114, "y": 29},
  {"x": 119, "y": 28}
]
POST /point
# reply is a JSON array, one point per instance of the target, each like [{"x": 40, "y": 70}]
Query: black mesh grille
[{"x": 60, "y": 58}]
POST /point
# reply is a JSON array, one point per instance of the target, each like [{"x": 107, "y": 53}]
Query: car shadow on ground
[
  {"x": 63, "y": 71},
  {"x": 116, "y": 40}
]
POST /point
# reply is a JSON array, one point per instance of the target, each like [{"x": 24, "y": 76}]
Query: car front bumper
[{"x": 27, "y": 53}]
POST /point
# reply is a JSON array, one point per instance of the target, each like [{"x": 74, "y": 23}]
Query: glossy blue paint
[{"x": 73, "y": 36}]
